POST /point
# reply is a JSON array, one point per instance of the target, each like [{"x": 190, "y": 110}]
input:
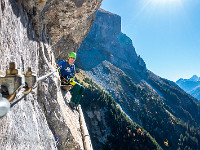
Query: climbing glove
[{"x": 71, "y": 80}]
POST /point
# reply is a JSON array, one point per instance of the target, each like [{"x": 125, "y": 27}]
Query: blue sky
[{"x": 165, "y": 33}]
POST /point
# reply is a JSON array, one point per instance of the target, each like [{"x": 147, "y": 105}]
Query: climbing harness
[{"x": 66, "y": 84}]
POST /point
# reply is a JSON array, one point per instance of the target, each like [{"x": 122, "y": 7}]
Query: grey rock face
[
  {"x": 108, "y": 56},
  {"x": 31, "y": 34},
  {"x": 98, "y": 126},
  {"x": 118, "y": 84},
  {"x": 25, "y": 127},
  {"x": 17, "y": 38},
  {"x": 65, "y": 23}
]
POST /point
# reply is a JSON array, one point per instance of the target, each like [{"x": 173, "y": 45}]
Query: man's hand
[
  {"x": 71, "y": 80},
  {"x": 58, "y": 67}
]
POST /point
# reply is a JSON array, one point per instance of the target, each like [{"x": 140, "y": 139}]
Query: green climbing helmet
[{"x": 72, "y": 54}]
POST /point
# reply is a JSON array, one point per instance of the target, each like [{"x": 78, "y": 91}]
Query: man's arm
[
  {"x": 60, "y": 63},
  {"x": 73, "y": 71}
]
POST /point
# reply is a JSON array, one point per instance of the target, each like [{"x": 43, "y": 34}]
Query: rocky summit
[
  {"x": 105, "y": 41},
  {"x": 191, "y": 86}
]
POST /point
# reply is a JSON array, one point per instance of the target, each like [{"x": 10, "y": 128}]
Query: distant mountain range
[{"x": 191, "y": 86}]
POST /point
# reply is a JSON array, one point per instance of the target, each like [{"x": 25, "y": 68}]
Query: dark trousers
[{"x": 78, "y": 91}]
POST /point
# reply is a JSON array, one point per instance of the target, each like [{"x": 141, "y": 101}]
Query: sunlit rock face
[
  {"x": 108, "y": 55},
  {"x": 105, "y": 41},
  {"x": 33, "y": 34}
]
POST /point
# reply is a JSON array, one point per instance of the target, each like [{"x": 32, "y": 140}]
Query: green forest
[
  {"x": 160, "y": 126},
  {"x": 125, "y": 134}
]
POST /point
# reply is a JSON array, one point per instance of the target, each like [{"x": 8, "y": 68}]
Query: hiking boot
[{"x": 72, "y": 105}]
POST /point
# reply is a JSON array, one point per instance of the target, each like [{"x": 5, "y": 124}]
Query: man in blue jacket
[{"x": 67, "y": 73}]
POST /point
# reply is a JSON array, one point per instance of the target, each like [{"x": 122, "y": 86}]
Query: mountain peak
[
  {"x": 194, "y": 78},
  {"x": 191, "y": 85}
]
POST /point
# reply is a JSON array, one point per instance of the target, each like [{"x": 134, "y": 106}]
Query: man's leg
[
  {"x": 76, "y": 90},
  {"x": 82, "y": 89}
]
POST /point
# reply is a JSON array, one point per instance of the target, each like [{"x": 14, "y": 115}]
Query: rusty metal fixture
[
  {"x": 13, "y": 81},
  {"x": 30, "y": 80},
  {"x": 12, "y": 71}
]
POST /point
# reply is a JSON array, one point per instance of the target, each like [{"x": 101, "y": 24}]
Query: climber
[{"x": 67, "y": 74}]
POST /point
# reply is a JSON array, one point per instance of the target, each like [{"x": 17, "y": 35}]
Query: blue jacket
[{"x": 66, "y": 70}]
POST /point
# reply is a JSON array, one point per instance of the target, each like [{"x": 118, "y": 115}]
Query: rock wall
[
  {"x": 109, "y": 56},
  {"x": 25, "y": 126},
  {"x": 33, "y": 34},
  {"x": 64, "y": 23},
  {"x": 106, "y": 41},
  {"x": 99, "y": 130}
]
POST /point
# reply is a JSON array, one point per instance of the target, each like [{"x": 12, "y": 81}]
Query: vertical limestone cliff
[
  {"x": 106, "y": 41},
  {"x": 34, "y": 34}
]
